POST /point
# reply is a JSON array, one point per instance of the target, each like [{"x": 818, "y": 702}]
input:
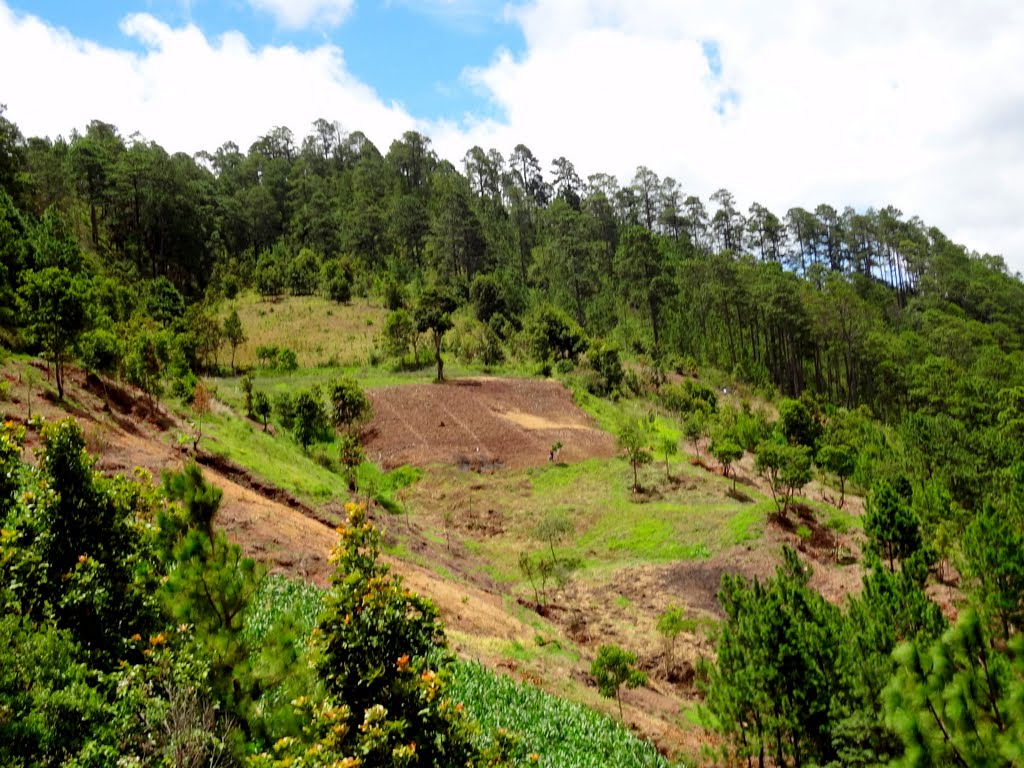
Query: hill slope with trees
[{"x": 888, "y": 356}]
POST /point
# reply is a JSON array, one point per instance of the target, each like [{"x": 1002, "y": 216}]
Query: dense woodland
[{"x": 897, "y": 356}]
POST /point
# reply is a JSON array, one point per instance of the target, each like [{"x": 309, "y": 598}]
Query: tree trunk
[{"x": 437, "y": 357}]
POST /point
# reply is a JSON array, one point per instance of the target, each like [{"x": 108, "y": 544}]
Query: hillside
[
  {"x": 751, "y": 484},
  {"x": 486, "y": 486}
]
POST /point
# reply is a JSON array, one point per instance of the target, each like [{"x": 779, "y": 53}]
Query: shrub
[
  {"x": 100, "y": 351},
  {"x": 286, "y": 360}
]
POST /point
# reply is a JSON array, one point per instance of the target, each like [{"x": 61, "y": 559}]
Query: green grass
[
  {"x": 281, "y": 461},
  {"x": 277, "y": 459},
  {"x": 687, "y": 519},
  {"x": 561, "y": 733},
  {"x": 616, "y": 524}
]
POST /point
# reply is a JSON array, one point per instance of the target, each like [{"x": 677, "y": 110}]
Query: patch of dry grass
[{"x": 320, "y": 332}]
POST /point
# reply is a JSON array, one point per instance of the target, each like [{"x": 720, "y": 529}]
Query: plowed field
[{"x": 480, "y": 423}]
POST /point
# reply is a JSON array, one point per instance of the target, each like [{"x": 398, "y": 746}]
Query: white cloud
[
  {"x": 854, "y": 102},
  {"x": 185, "y": 91},
  {"x": 296, "y": 14},
  {"x": 917, "y": 103}
]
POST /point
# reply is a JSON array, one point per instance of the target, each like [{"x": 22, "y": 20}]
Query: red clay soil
[{"x": 480, "y": 423}]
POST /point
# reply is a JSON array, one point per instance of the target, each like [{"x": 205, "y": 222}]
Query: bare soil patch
[{"x": 481, "y": 424}]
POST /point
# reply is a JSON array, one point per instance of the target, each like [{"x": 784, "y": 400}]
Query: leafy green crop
[
  {"x": 562, "y": 733},
  {"x": 279, "y": 598}
]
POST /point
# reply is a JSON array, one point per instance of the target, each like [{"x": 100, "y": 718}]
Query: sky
[{"x": 917, "y": 104}]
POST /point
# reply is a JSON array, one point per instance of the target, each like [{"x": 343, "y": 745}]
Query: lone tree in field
[
  {"x": 726, "y": 452},
  {"x": 247, "y": 389},
  {"x": 670, "y": 625},
  {"x": 696, "y": 428},
  {"x": 841, "y": 461},
  {"x": 400, "y": 335},
  {"x": 54, "y": 302},
  {"x": 310, "y": 419},
  {"x": 632, "y": 441},
  {"x": 201, "y": 402},
  {"x": 668, "y": 447},
  {"x": 434, "y": 314},
  {"x": 787, "y": 468},
  {"x": 613, "y": 668},
  {"x": 351, "y": 455},
  {"x": 552, "y": 529},
  {"x": 261, "y": 407},
  {"x": 350, "y": 406},
  {"x": 234, "y": 334}
]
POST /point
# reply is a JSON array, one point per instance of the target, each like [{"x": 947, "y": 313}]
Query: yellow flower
[
  {"x": 403, "y": 662},
  {"x": 534, "y": 757}
]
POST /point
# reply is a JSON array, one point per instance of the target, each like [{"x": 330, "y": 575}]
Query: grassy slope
[
  {"x": 689, "y": 517},
  {"x": 317, "y": 330}
]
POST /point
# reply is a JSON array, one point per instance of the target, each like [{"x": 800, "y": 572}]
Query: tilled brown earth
[{"x": 480, "y": 423}]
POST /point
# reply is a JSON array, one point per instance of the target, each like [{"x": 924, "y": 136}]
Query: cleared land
[
  {"x": 461, "y": 531},
  {"x": 481, "y": 423}
]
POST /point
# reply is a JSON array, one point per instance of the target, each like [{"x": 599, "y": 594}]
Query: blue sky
[
  {"x": 410, "y": 52},
  {"x": 790, "y": 103}
]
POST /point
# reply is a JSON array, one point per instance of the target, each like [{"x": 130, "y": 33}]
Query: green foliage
[
  {"x": 247, "y": 385},
  {"x": 993, "y": 549},
  {"x": 55, "y": 304},
  {"x": 49, "y": 698},
  {"x": 553, "y": 335},
  {"x": 266, "y": 354},
  {"x": 695, "y": 428},
  {"x": 671, "y": 624},
  {"x": 234, "y": 334},
  {"x": 787, "y": 468},
  {"x": 284, "y": 407},
  {"x": 310, "y": 418},
  {"x": 349, "y": 405},
  {"x": 400, "y": 334},
  {"x": 562, "y": 734},
  {"x": 381, "y": 653},
  {"x": 336, "y": 281},
  {"x": 286, "y": 360},
  {"x": 892, "y": 608},
  {"x": 668, "y": 446},
  {"x": 841, "y": 461},
  {"x": 727, "y": 451},
  {"x": 261, "y": 407},
  {"x": 434, "y": 313},
  {"x": 772, "y": 687},
  {"x": 891, "y": 524},
  {"x": 72, "y": 552},
  {"x": 552, "y": 529},
  {"x": 613, "y": 668},
  {"x": 146, "y": 358},
  {"x": 605, "y": 362},
  {"x": 690, "y": 397},
  {"x": 634, "y": 441},
  {"x": 163, "y": 302},
  {"x": 958, "y": 700},
  {"x": 351, "y": 455},
  {"x": 270, "y": 278},
  {"x": 100, "y": 351},
  {"x": 798, "y": 423}
]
